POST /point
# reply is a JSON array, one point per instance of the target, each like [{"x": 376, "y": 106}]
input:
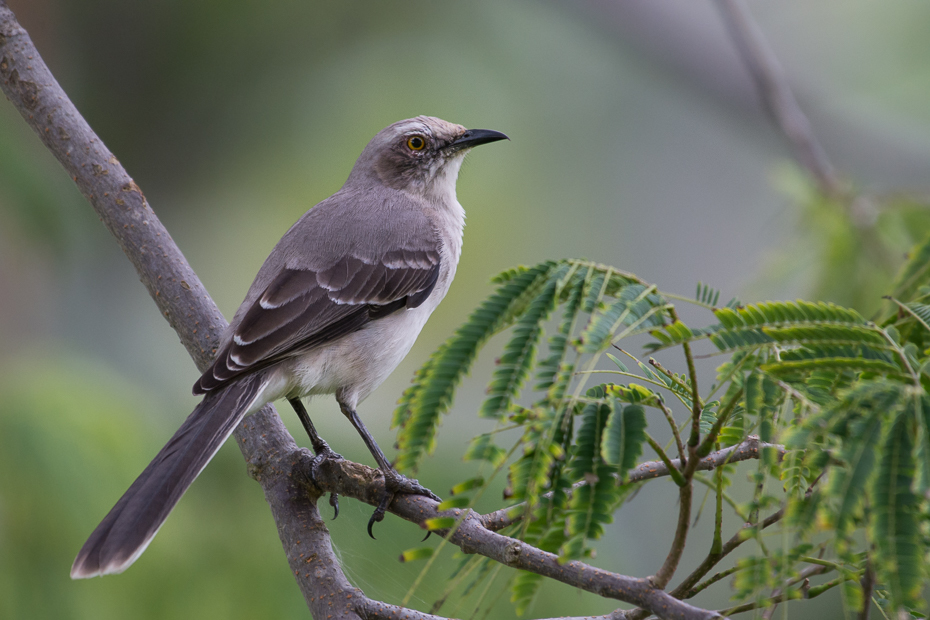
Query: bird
[{"x": 334, "y": 309}]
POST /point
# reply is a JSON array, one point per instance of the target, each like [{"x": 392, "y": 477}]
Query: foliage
[{"x": 843, "y": 400}]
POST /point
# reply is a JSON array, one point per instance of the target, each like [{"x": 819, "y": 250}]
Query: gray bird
[{"x": 337, "y": 305}]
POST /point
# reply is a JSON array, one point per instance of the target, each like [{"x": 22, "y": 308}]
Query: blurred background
[{"x": 637, "y": 140}]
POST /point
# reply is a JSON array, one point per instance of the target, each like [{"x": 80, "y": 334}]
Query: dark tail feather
[{"x": 127, "y": 530}]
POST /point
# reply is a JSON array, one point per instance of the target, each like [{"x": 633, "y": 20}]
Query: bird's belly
[{"x": 359, "y": 362}]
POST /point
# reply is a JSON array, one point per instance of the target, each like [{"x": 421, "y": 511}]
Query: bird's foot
[
  {"x": 325, "y": 453},
  {"x": 395, "y": 483}
]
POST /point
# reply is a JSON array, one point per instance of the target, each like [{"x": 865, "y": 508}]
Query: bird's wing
[{"x": 312, "y": 302}]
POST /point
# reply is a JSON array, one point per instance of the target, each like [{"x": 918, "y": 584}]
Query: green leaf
[
  {"x": 468, "y": 485},
  {"x": 514, "y": 364},
  {"x": 707, "y": 295},
  {"x": 619, "y": 364},
  {"x": 834, "y": 363},
  {"x": 550, "y": 372},
  {"x": 914, "y": 273},
  {"x": 420, "y": 553},
  {"x": 895, "y": 531},
  {"x": 857, "y": 418},
  {"x": 853, "y": 596},
  {"x": 919, "y": 407},
  {"x": 483, "y": 448},
  {"x": 439, "y": 523},
  {"x": 454, "y": 502},
  {"x": 431, "y": 394},
  {"x": 790, "y": 323},
  {"x": 622, "y": 443},
  {"x": 636, "y": 305},
  {"x": 591, "y": 505}
]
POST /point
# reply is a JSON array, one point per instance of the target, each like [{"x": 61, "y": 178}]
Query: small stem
[
  {"x": 696, "y": 406},
  {"x": 906, "y": 309},
  {"x": 897, "y": 348},
  {"x": 749, "y": 449},
  {"x": 665, "y": 573},
  {"x": 722, "y": 417},
  {"x": 683, "y": 590},
  {"x": 671, "y": 422},
  {"x": 714, "y": 579},
  {"x": 673, "y": 471},
  {"x": 724, "y": 495},
  {"x": 717, "y": 545},
  {"x": 668, "y": 373},
  {"x": 689, "y": 300},
  {"x": 867, "y": 582}
]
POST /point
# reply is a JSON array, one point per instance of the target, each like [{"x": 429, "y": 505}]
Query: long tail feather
[{"x": 129, "y": 527}]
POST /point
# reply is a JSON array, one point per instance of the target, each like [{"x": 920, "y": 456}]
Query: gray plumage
[{"x": 336, "y": 306}]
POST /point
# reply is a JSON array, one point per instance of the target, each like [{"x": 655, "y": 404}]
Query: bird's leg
[
  {"x": 394, "y": 482},
  {"x": 320, "y": 448}
]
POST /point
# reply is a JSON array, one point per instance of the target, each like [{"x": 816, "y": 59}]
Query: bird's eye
[{"x": 416, "y": 143}]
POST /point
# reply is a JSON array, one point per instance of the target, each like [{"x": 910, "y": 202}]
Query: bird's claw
[
  {"x": 322, "y": 455},
  {"x": 395, "y": 483}
]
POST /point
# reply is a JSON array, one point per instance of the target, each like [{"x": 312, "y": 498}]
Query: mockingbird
[{"x": 336, "y": 306}]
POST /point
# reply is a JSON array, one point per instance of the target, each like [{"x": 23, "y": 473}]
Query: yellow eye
[{"x": 416, "y": 143}]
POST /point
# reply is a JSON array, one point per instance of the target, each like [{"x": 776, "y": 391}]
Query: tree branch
[
  {"x": 749, "y": 449},
  {"x": 776, "y": 93}
]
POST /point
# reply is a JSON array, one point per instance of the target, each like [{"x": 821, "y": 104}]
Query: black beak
[{"x": 475, "y": 137}]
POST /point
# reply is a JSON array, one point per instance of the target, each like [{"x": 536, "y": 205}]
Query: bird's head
[{"x": 421, "y": 155}]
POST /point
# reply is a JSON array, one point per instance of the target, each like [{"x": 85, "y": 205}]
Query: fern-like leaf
[
  {"x": 914, "y": 273},
  {"x": 857, "y": 419},
  {"x": 635, "y": 306},
  {"x": 623, "y": 439},
  {"x": 548, "y": 370},
  {"x": 515, "y": 362},
  {"x": 895, "y": 530},
  {"x": 591, "y": 505},
  {"x": 707, "y": 295},
  {"x": 483, "y": 448},
  {"x": 431, "y": 394}
]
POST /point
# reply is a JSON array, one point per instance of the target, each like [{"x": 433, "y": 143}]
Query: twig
[
  {"x": 670, "y": 565},
  {"x": 907, "y": 309},
  {"x": 804, "y": 591},
  {"x": 776, "y": 93},
  {"x": 712, "y": 580},
  {"x": 868, "y": 583},
  {"x": 670, "y": 468},
  {"x": 802, "y": 576},
  {"x": 696, "y": 404},
  {"x": 717, "y": 543},
  {"x": 749, "y": 449},
  {"x": 682, "y": 454}
]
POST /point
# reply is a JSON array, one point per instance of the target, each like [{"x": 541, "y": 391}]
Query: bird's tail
[{"x": 129, "y": 527}]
